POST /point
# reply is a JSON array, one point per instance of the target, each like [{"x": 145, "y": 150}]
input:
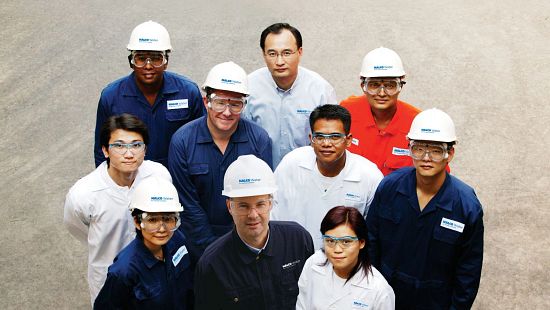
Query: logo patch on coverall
[
  {"x": 452, "y": 225},
  {"x": 179, "y": 255},
  {"x": 177, "y": 104},
  {"x": 400, "y": 152}
]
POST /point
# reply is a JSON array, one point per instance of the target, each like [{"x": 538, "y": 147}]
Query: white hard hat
[
  {"x": 382, "y": 62},
  {"x": 154, "y": 194},
  {"x": 432, "y": 125},
  {"x": 248, "y": 176},
  {"x": 227, "y": 76},
  {"x": 149, "y": 36}
]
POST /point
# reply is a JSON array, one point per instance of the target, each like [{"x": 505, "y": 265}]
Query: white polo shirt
[{"x": 305, "y": 196}]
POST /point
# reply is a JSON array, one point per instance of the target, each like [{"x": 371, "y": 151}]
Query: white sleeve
[
  {"x": 76, "y": 217},
  {"x": 376, "y": 178},
  {"x": 280, "y": 205},
  {"x": 302, "y": 301},
  {"x": 331, "y": 95},
  {"x": 385, "y": 299}
]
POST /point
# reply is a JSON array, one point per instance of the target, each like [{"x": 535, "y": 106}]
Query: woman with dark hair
[{"x": 340, "y": 276}]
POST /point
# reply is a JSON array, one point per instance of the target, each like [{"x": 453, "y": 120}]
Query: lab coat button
[{"x": 236, "y": 299}]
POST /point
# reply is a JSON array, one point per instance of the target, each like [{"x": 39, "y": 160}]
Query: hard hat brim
[{"x": 266, "y": 190}]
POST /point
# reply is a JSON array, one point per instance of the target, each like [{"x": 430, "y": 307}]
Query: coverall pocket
[
  {"x": 143, "y": 293},
  {"x": 241, "y": 298},
  {"x": 198, "y": 169},
  {"x": 177, "y": 115},
  {"x": 445, "y": 244}
]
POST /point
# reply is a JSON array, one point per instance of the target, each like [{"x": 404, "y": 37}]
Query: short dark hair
[
  {"x": 352, "y": 218},
  {"x": 331, "y": 112},
  {"x": 276, "y": 29},
  {"x": 123, "y": 121}
]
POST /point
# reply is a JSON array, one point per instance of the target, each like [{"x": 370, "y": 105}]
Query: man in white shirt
[
  {"x": 96, "y": 207},
  {"x": 283, "y": 94},
  {"x": 314, "y": 179}
]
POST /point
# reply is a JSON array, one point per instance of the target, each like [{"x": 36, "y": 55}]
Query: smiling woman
[{"x": 340, "y": 276}]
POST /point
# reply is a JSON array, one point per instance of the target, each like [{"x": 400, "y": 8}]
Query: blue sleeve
[
  {"x": 372, "y": 228},
  {"x": 207, "y": 288},
  {"x": 266, "y": 154},
  {"x": 194, "y": 219},
  {"x": 114, "y": 294},
  {"x": 101, "y": 117},
  {"x": 468, "y": 271}
]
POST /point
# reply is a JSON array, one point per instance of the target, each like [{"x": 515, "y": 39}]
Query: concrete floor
[{"x": 486, "y": 63}]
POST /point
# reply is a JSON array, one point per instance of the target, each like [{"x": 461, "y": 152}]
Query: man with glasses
[
  {"x": 426, "y": 226},
  {"x": 257, "y": 265},
  {"x": 380, "y": 120},
  {"x": 163, "y": 100},
  {"x": 283, "y": 94},
  {"x": 201, "y": 151},
  {"x": 313, "y": 179},
  {"x": 96, "y": 207}
]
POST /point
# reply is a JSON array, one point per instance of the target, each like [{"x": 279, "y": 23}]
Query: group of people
[{"x": 301, "y": 203}]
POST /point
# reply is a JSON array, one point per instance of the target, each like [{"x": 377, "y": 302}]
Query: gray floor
[{"x": 486, "y": 63}]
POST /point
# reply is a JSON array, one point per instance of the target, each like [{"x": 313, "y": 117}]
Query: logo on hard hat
[
  {"x": 429, "y": 130},
  {"x": 161, "y": 199},
  {"x": 147, "y": 40},
  {"x": 249, "y": 181},
  {"x": 231, "y": 82},
  {"x": 382, "y": 67}
]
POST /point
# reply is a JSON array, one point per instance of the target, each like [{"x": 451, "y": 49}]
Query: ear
[
  {"x": 205, "y": 101},
  {"x": 105, "y": 152},
  {"x": 362, "y": 244},
  {"x": 348, "y": 140},
  {"x": 300, "y": 52},
  {"x": 228, "y": 204},
  {"x": 137, "y": 224},
  {"x": 451, "y": 154}
]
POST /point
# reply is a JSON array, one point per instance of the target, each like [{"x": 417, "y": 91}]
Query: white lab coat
[
  {"x": 96, "y": 213},
  {"x": 302, "y": 198},
  {"x": 360, "y": 292}
]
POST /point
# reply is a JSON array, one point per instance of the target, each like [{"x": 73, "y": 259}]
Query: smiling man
[
  {"x": 163, "y": 100},
  {"x": 380, "y": 120},
  {"x": 96, "y": 207},
  {"x": 313, "y": 179},
  {"x": 426, "y": 226},
  {"x": 283, "y": 94},
  {"x": 201, "y": 151},
  {"x": 257, "y": 265}
]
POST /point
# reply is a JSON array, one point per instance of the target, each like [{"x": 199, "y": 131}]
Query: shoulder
[
  {"x": 317, "y": 258},
  {"x": 354, "y": 103},
  {"x": 408, "y": 110},
  {"x": 362, "y": 164},
  {"x": 89, "y": 183},
  {"x": 259, "y": 74},
  {"x": 467, "y": 195},
  {"x": 297, "y": 155},
  {"x": 124, "y": 264},
  {"x": 151, "y": 168},
  {"x": 111, "y": 88},
  {"x": 396, "y": 177},
  {"x": 181, "y": 80},
  {"x": 189, "y": 129},
  {"x": 313, "y": 76},
  {"x": 254, "y": 130}
]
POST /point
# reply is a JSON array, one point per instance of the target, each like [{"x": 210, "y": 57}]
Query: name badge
[
  {"x": 353, "y": 197},
  {"x": 355, "y": 141},
  {"x": 177, "y": 104},
  {"x": 179, "y": 255},
  {"x": 357, "y": 304},
  {"x": 452, "y": 225},
  {"x": 400, "y": 152}
]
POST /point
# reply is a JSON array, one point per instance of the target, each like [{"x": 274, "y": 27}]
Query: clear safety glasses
[
  {"x": 140, "y": 60},
  {"x": 242, "y": 208},
  {"x": 436, "y": 152},
  {"x": 333, "y": 138},
  {"x": 122, "y": 148},
  {"x": 345, "y": 242},
  {"x": 153, "y": 223},
  {"x": 390, "y": 86},
  {"x": 219, "y": 103}
]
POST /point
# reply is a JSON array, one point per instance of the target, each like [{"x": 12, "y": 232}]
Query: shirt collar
[
  {"x": 246, "y": 255},
  {"x": 393, "y": 127},
  {"x": 357, "y": 280},
  {"x": 443, "y": 198},
  {"x": 294, "y": 85},
  {"x": 347, "y": 173},
  {"x": 146, "y": 256}
]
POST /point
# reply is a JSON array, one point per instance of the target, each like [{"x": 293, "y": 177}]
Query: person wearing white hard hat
[
  {"x": 283, "y": 94},
  {"x": 201, "y": 151},
  {"x": 163, "y": 100},
  {"x": 313, "y": 179},
  {"x": 380, "y": 120},
  {"x": 155, "y": 270},
  {"x": 258, "y": 263},
  {"x": 96, "y": 207},
  {"x": 426, "y": 226}
]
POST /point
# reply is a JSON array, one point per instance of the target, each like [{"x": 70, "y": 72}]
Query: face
[
  {"x": 224, "y": 121},
  {"x": 251, "y": 217},
  {"x": 130, "y": 160},
  {"x": 382, "y": 101},
  {"x": 343, "y": 259},
  {"x": 426, "y": 167},
  {"x": 284, "y": 66},
  {"x": 153, "y": 240},
  {"x": 149, "y": 75},
  {"x": 330, "y": 154}
]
